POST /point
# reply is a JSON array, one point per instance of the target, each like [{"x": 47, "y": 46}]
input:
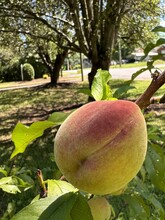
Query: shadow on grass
[{"x": 33, "y": 104}]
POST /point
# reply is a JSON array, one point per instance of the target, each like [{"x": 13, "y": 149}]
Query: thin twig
[
  {"x": 43, "y": 189},
  {"x": 144, "y": 100}
]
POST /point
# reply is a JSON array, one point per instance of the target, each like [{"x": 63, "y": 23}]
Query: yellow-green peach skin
[
  {"x": 101, "y": 146},
  {"x": 100, "y": 208}
]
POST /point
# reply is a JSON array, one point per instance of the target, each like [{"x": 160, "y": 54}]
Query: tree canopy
[{"x": 89, "y": 27}]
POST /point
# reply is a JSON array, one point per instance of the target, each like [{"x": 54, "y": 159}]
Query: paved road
[
  {"x": 123, "y": 73},
  {"x": 126, "y": 73}
]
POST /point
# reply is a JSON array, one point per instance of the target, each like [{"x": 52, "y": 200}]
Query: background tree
[
  {"x": 36, "y": 32},
  {"x": 49, "y": 53},
  {"x": 98, "y": 23},
  {"x": 135, "y": 32},
  {"x": 90, "y": 27}
]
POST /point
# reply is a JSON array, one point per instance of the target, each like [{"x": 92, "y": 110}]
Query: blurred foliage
[
  {"x": 11, "y": 72},
  {"x": 11, "y": 60},
  {"x": 39, "y": 67}
]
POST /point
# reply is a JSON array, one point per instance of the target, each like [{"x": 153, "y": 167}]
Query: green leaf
[
  {"x": 10, "y": 188},
  {"x": 21, "y": 183},
  {"x": 159, "y": 29},
  {"x": 26, "y": 178},
  {"x": 81, "y": 209},
  {"x": 134, "y": 75},
  {"x": 100, "y": 89},
  {"x": 155, "y": 164},
  {"x": 150, "y": 63},
  {"x": 151, "y": 46},
  {"x": 58, "y": 117},
  {"x": 11, "y": 184},
  {"x": 85, "y": 91},
  {"x": 154, "y": 133},
  {"x": 6, "y": 180},
  {"x": 34, "y": 210},
  {"x": 23, "y": 135},
  {"x": 123, "y": 90},
  {"x": 4, "y": 172},
  {"x": 8, "y": 185},
  {"x": 69, "y": 206},
  {"x": 137, "y": 209},
  {"x": 148, "y": 48},
  {"x": 57, "y": 187},
  {"x": 145, "y": 193},
  {"x": 143, "y": 173},
  {"x": 107, "y": 95},
  {"x": 11, "y": 209},
  {"x": 60, "y": 208}
]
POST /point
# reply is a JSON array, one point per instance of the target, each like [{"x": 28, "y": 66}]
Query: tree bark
[
  {"x": 55, "y": 72},
  {"x": 144, "y": 100},
  {"x": 100, "y": 64},
  {"x": 53, "y": 67},
  {"x": 101, "y": 56}
]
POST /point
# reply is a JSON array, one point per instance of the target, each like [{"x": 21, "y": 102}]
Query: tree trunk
[
  {"x": 101, "y": 64},
  {"x": 101, "y": 54},
  {"x": 55, "y": 73},
  {"x": 95, "y": 67}
]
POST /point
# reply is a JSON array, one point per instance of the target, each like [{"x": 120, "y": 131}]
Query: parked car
[{"x": 113, "y": 62}]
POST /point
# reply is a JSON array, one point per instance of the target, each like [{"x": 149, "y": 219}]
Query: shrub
[
  {"x": 11, "y": 72},
  {"x": 28, "y": 71},
  {"x": 38, "y": 66}
]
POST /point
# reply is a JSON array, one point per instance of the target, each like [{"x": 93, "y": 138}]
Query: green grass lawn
[
  {"x": 140, "y": 87},
  {"x": 138, "y": 64},
  {"x": 27, "y": 105}
]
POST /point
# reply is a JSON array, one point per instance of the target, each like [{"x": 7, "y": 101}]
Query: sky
[{"x": 162, "y": 23}]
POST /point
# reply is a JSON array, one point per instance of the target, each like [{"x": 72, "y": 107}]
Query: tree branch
[
  {"x": 45, "y": 58},
  {"x": 75, "y": 13},
  {"x": 144, "y": 100},
  {"x": 27, "y": 33},
  {"x": 85, "y": 20},
  {"x": 27, "y": 13}
]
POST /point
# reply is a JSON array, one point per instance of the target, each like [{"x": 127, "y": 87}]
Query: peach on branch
[
  {"x": 100, "y": 208},
  {"x": 101, "y": 146}
]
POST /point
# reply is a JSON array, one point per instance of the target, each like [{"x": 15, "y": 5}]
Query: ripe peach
[
  {"x": 100, "y": 208},
  {"x": 101, "y": 146}
]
